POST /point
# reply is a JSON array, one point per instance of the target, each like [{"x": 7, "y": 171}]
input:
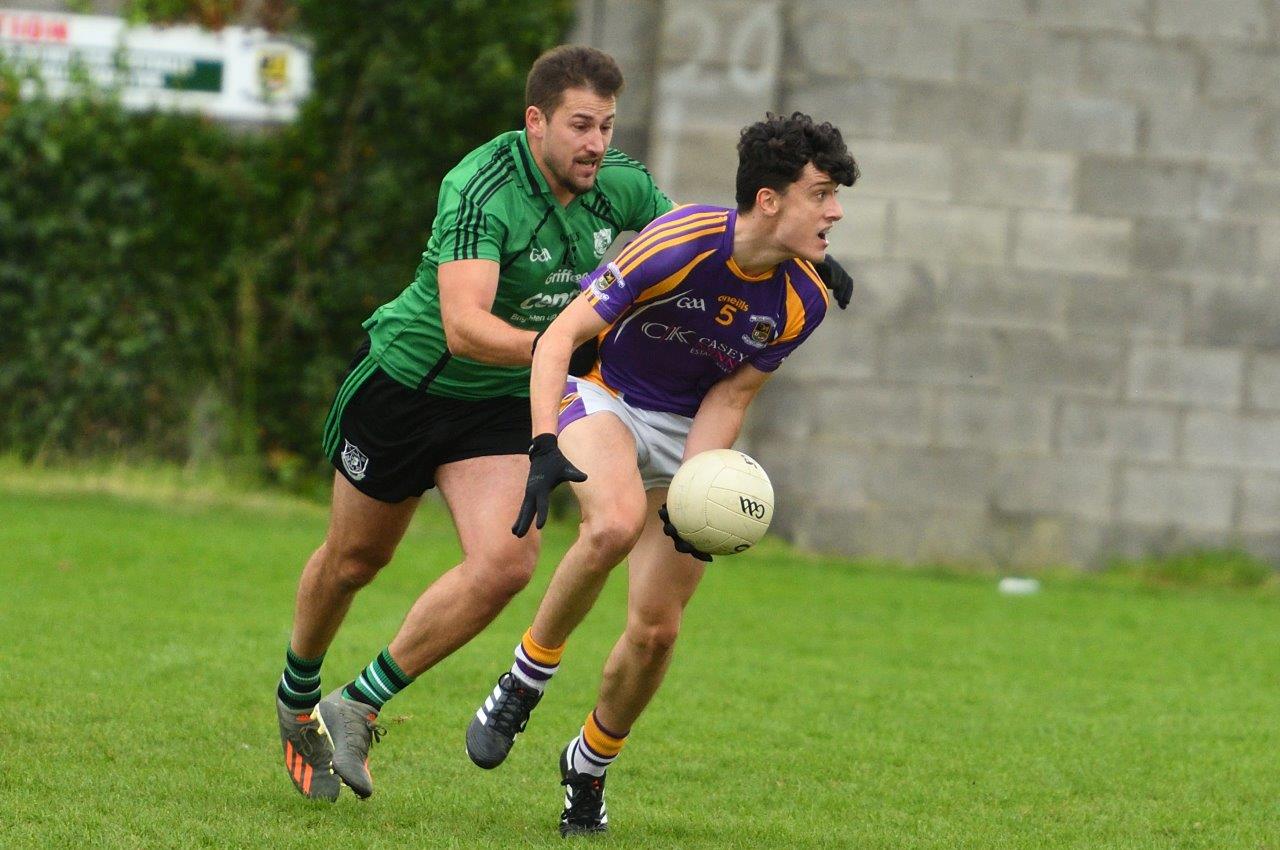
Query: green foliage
[
  {"x": 179, "y": 289},
  {"x": 211, "y": 13},
  {"x": 113, "y": 267}
]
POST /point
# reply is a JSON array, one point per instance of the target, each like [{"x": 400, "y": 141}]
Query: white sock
[
  {"x": 584, "y": 759},
  {"x": 527, "y": 670}
]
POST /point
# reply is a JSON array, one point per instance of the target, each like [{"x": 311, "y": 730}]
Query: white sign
[{"x": 236, "y": 73}]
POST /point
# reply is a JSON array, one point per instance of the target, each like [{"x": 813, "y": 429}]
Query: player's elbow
[
  {"x": 458, "y": 346},
  {"x": 741, "y": 389},
  {"x": 560, "y": 338},
  {"x": 730, "y": 400},
  {"x": 459, "y": 339},
  {"x": 739, "y": 400}
]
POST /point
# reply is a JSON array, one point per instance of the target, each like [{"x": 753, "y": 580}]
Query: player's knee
[
  {"x": 351, "y": 568},
  {"x": 495, "y": 588},
  {"x": 501, "y": 574},
  {"x": 611, "y": 535},
  {"x": 354, "y": 574},
  {"x": 653, "y": 640}
]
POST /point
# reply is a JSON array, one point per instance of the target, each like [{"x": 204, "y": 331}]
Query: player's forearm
[
  {"x": 724, "y": 408},
  {"x": 547, "y": 379},
  {"x": 716, "y": 426},
  {"x": 485, "y": 338}
]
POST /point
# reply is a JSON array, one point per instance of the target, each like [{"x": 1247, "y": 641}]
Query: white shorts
[{"x": 660, "y": 437}]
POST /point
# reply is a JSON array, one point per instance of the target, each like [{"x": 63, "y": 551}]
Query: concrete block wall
[{"x": 1065, "y": 340}]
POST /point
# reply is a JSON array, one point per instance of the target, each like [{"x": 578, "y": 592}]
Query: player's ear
[
  {"x": 767, "y": 200},
  {"x": 535, "y": 123}
]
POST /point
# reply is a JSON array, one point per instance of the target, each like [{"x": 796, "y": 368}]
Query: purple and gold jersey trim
[
  {"x": 569, "y": 399},
  {"x": 662, "y": 287},
  {"x": 812, "y": 274},
  {"x": 672, "y": 231},
  {"x": 737, "y": 270},
  {"x": 796, "y": 318}
]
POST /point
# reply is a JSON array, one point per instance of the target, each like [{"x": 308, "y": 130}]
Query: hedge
[{"x": 180, "y": 289}]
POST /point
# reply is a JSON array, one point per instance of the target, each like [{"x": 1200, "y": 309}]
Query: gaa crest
[
  {"x": 354, "y": 461},
  {"x": 609, "y": 275}
]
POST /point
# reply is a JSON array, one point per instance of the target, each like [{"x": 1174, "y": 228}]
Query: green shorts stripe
[{"x": 333, "y": 423}]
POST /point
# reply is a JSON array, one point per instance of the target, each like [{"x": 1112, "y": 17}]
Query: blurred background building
[{"x": 1065, "y": 340}]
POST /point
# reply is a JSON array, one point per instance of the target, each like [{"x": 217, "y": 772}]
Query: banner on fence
[{"x": 235, "y": 73}]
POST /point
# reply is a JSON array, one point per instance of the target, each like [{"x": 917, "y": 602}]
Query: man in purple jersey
[{"x": 692, "y": 318}]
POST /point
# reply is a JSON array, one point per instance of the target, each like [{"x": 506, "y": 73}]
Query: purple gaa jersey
[{"x": 683, "y": 315}]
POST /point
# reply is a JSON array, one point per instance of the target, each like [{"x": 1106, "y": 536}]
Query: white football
[{"x": 721, "y": 501}]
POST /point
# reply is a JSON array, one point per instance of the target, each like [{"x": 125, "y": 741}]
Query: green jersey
[{"x": 495, "y": 205}]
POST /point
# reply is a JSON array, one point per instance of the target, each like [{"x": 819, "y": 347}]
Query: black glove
[
  {"x": 836, "y": 279},
  {"x": 547, "y": 468},
  {"x": 584, "y": 358},
  {"x": 682, "y": 545}
]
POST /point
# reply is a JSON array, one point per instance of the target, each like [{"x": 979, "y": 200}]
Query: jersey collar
[{"x": 527, "y": 173}]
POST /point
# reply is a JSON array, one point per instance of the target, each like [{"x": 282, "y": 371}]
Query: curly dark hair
[
  {"x": 570, "y": 66},
  {"x": 773, "y": 152}
]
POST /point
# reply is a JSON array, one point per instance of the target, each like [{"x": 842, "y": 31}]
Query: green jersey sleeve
[{"x": 469, "y": 222}]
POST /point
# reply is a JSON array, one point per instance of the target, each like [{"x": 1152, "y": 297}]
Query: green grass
[{"x": 813, "y": 702}]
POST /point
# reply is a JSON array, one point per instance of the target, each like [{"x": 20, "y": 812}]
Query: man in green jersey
[{"x": 439, "y": 397}]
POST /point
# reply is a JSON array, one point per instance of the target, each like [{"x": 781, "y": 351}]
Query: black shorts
[{"x": 388, "y": 439}]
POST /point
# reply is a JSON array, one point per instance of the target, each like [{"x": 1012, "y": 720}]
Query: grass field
[{"x": 813, "y": 702}]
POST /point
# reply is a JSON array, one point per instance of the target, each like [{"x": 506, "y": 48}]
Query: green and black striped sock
[
  {"x": 300, "y": 685},
  {"x": 378, "y": 682}
]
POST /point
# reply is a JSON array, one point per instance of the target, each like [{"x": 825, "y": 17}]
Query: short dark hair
[
  {"x": 772, "y": 153},
  {"x": 570, "y": 66}
]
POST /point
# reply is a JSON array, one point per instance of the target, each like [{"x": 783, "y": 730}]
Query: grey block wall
[{"x": 1065, "y": 341}]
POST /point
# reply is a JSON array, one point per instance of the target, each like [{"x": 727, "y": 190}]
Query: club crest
[
  {"x": 603, "y": 239},
  {"x": 273, "y": 70},
  {"x": 354, "y": 461},
  {"x": 608, "y": 277},
  {"x": 762, "y": 330}
]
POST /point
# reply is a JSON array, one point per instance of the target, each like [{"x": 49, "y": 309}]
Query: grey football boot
[
  {"x": 308, "y": 754},
  {"x": 496, "y": 724},
  {"x": 352, "y": 726}
]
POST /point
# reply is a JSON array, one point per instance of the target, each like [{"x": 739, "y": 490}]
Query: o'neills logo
[{"x": 354, "y": 461}]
